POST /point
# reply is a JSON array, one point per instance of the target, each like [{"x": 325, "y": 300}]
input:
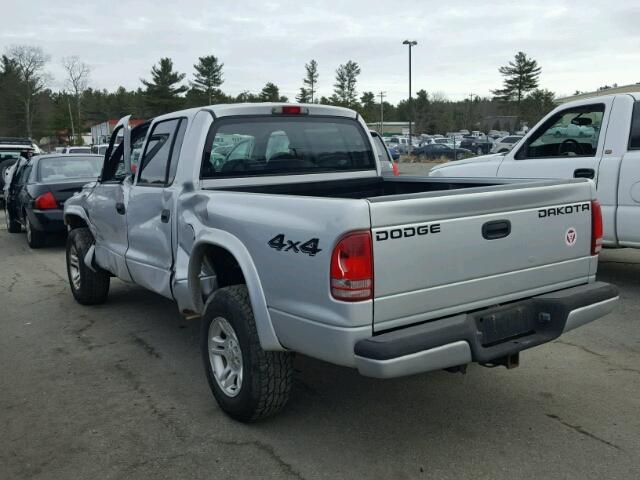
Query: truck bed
[
  {"x": 440, "y": 245},
  {"x": 382, "y": 187}
]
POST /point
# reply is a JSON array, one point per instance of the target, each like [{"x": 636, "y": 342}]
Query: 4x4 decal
[{"x": 279, "y": 243}]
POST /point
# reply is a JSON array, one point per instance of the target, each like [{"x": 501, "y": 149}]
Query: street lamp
[{"x": 410, "y": 43}]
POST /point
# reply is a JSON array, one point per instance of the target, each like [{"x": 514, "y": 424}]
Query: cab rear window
[
  {"x": 634, "y": 138},
  {"x": 254, "y": 146}
]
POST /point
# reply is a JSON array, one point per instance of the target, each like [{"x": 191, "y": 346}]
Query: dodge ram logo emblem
[{"x": 570, "y": 237}]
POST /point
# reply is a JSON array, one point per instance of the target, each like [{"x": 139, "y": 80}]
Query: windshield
[
  {"x": 65, "y": 168},
  {"x": 285, "y": 145}
]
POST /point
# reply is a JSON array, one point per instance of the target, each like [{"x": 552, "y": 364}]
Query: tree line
[{"x": 30, "y": 107}]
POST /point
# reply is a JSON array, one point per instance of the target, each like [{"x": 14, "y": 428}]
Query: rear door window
[{"x": 157, "y": 154}]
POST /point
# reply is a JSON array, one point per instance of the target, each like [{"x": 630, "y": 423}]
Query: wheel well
[
  {"x": 224, "y": 265},
  {"x": 74, "y": 221}
]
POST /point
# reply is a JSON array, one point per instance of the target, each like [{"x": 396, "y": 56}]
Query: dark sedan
[
  {"x": 478, "y": 145},
  {"x": 436, "y": 151},
  {"x": 38, "y": 189}
]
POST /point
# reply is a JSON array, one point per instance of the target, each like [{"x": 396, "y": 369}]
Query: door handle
[
  {"x": 164, "y": 216},
  {"x": 120, "y": 208},
  {"x": 496, "y": 229},
  {"x": 584, "y": 173}
]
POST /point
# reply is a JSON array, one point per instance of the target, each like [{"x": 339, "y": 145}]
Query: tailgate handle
[
  {"x": 496, "y": 229},
  {"x": 584, "y": 173}
]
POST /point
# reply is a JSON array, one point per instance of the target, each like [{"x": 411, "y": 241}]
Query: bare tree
[
  {"x": 29, "y": 62},
  {"x": 77, "y": 81}
]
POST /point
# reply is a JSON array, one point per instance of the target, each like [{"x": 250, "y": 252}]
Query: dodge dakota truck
[
  {"x": 274, "y": 225},
  {"x": 596, "y": 138}
]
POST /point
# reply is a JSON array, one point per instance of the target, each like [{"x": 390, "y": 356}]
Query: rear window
[
  {"x": 246, "y": 146},
  {"x": 634, "y": 138},
  {"x": 79, "y": 150},
  {"x": 66, "y": 168}
]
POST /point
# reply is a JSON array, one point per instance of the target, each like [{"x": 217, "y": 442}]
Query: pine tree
[
  {"x": 310, "y": 80},
  {"x": 520, "y": 76},
  {"x": 208, "y": 78},
  {"x": 271, "y": 93},
  {"x": 344, "y": 89},
  {"x": 304, "y": 96},
  {"x": 163, "y": 92}
]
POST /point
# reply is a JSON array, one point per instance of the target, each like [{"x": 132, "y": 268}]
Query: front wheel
[
  {"x": 88, "y": 287},
  {"x": 248, "y": 383}
]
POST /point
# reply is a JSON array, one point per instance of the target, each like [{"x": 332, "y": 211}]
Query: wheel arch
[
  {"x": 226, "y": 252},
  {"x": 75, "y": 218}
]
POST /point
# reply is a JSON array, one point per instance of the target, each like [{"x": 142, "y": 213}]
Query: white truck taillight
[
  {"x": 597, "y": 230},
  {"x": 352, "y": 268}
]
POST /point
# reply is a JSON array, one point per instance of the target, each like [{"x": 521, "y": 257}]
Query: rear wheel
[
  {"x": 247, "y": 382},
  {"x": 35, "y": 238},
  {"x": 479, "y": 151},
  {"x": 12, "y": 225},
  {"x": 88, "y": 287}
]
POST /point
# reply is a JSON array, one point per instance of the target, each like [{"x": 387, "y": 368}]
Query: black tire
[
  {"x": 92, "y": 287},
  {"x": 35, "y": 238},
  {"x": 266, "y": 376},
  {"x": 479, "y": 151},
  {"x": 12, "y": 225},
  {"x": 459, "y": 156}
]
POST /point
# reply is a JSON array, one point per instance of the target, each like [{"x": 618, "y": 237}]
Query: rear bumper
[
  {"x": 47, "y": 220},
  {"x": 478, "y": 336}
]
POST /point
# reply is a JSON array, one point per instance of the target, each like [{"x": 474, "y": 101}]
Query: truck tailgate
[{"x": 442, "y": 253}]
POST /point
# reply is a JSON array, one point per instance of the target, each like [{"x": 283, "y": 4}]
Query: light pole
[{"x": 410, "y": 43}]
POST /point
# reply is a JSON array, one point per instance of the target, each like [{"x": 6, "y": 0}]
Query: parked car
[
  {"x": 395, "y": 154},
  {"x": 82, "y": 150},
  {"x": 12, "y": 149},
  {"x": 310, "y": 249},
  {"x": 437, "y": 151},
  {"x": 451, "y": 143},
  {"x": 611, "y": 159},
  {"x": 37, "y": 189},
  {"x": 503, "y": 145},
  {"x": 99, "y": 149},
  {"x": 479, "y": 145}
]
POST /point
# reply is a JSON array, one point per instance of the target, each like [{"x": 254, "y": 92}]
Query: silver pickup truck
[{"x": 276, "y": 225}]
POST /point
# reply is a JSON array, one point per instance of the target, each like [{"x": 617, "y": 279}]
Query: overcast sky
[{"x": 580, "y": 45}]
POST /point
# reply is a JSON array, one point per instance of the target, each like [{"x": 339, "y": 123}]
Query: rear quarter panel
[{"x": 292, "y": 281}]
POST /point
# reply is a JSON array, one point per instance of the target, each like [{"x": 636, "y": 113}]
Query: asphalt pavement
[{"x": 118, "y": 391}]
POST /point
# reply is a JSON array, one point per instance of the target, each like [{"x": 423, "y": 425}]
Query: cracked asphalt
[{"x": 118, "y": 391}]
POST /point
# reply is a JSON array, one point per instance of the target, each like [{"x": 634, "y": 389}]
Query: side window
[
  {"x": 569, "y": 133},
  {"x": 634, "y": 138},
  {"x": 383, "y": 153},
  {"x": 157, "y": 153}
]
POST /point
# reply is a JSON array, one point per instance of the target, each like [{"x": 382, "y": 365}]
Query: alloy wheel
[{"x": 225, "y": 356}]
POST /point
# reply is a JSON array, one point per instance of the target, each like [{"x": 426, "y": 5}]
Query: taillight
[
  {"x": 46, "y": 201},
  {"x": 597, "y": 230},
  {"x": 352, "y": 268},
  {"x": 290, "y": 110}
]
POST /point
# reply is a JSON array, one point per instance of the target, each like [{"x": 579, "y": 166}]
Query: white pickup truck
[
  {"x": 276, "y": 225},
  {"x": 596, "y": 138}
]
